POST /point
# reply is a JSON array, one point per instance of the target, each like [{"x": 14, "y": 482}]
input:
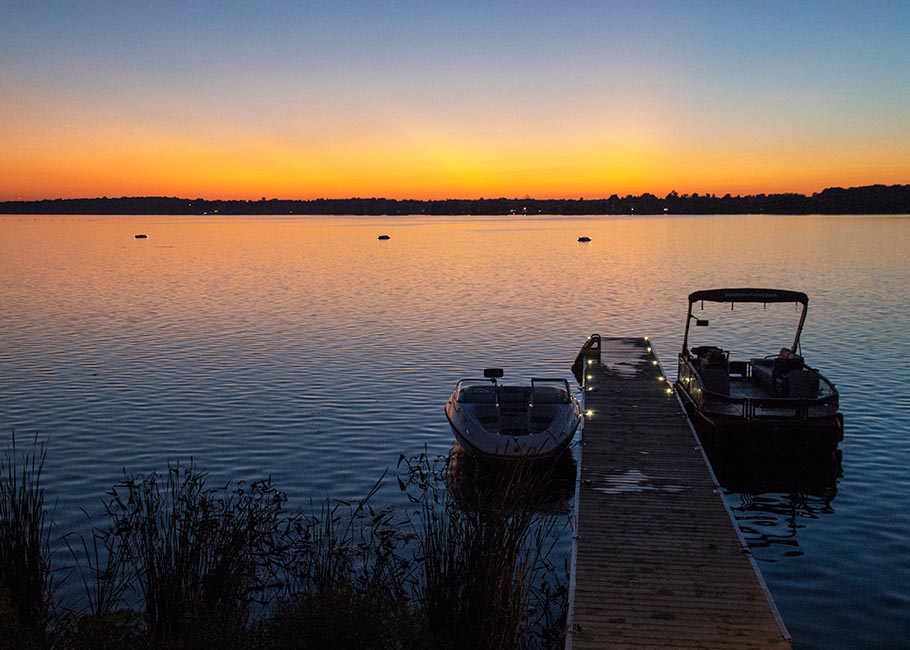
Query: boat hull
[
  {"x": 484, "y": 443},
  {"x": 807, "y": 434},
  {"x": 513, "y": 447}
]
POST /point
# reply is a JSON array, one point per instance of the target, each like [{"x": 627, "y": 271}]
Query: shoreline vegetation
[
  {"x": 175, "y": 563},
  {"x": 870, "y": 199}
]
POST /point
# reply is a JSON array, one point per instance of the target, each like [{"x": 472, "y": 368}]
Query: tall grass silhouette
[{"x": 178, "y": 563}]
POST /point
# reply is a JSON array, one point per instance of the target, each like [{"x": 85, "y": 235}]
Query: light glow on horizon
[{"x": 366, "y": 100}]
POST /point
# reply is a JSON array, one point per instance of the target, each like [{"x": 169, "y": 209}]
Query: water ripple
[{"x": 302, "y": 350}]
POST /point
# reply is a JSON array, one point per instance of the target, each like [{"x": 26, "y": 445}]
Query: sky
[{"x": 449, "y": 99}]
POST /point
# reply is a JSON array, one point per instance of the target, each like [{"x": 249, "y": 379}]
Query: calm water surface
[{"x": 305, "y": 349}]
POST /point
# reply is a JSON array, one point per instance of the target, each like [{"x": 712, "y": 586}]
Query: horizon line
[{"x": 262, "y": 199}]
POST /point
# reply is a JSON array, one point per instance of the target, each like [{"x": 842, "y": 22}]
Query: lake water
[{"x": 305, "y": 349}]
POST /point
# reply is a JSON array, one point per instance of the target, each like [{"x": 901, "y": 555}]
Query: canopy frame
[{"x": 748, "y": 295}]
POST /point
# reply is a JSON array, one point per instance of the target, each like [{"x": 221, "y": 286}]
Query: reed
[
  {"x": 25, "y": 529},
  {"x": 194, "y": 553},
  {"x": 483, "y": 575},
  {"x": 351, "y": 542},
  {"x": 103, "y": 623},
  {"x": 180, "y": 565},
  {"x": 444, "y": 573},
  {"x": 101, "y": 568},
  {"x": 345, "y": 564}
]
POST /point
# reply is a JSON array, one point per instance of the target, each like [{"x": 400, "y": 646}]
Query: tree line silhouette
[{"x": 871, "y": 199}]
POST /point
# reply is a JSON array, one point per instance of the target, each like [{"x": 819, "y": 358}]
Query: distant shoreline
[{"x": 870, "y": 199}]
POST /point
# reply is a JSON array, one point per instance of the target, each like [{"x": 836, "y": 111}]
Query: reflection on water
[
  {"x": 545, "y": 485},
  {"x": 774, "y": 493},
  {"x": 776, "y": 519},
  {"x": 755, "y": 470},
  {"x": 306, "y": 350}
]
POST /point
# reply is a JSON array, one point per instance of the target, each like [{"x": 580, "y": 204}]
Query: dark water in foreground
[{"x": 305, "y": 349}]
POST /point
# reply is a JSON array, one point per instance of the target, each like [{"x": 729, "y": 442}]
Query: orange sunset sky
[{"x": 427, "y": 100}]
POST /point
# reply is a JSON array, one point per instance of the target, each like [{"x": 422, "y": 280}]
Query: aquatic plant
[
  {"x": 25, "y": 529},
  {"x": 483, "y": 576},
  {"x": 178, "y": 564},
  {"x": 345, "y": 563},
  {"x": 193, "y": 552}
]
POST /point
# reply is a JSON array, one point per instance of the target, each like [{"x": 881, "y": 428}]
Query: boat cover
[{"x": 749, "y": 295}]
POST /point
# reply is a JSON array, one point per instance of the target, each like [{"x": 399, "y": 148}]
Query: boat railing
[
  {"x": 589, "y": 353},
  {"x": 752, "y": 408},
  {"x": 757, "y": 408}
]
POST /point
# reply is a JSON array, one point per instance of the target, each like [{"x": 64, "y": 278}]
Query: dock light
[
  {"x": 653, "y": 362},
  {"x": 646, "y": 338},
  {"x": 590, "y": 362},
  {"x": 589, "y": 376},
  {"x": 649, "y": 349},
  {"x": 661, "y": 378},
  {"x": 589, "y": 413},
  {"x": 669, "y": 391}
]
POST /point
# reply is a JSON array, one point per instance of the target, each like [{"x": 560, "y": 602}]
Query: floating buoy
[
  {"x": 383, "y": 237},
  {"x": 142, "y": 236},
  {"x": 584, "y": 239}
]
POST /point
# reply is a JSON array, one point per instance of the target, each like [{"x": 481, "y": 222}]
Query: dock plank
[{"x": 657, "y": 559}]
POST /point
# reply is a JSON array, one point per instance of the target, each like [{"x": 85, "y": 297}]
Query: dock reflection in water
[{"x": 546, "y": 486}]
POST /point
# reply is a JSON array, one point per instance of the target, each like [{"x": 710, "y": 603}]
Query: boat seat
[
  {"x": 803, "y": 383},
  {"x": 773, "y": 376},
  {"x": 513, "y": 393},
  {"x": 762, "y": 375},
  {"x": 714, "y": 368},
  {"x": 487, "y": 415},
  {"x": 716, "y": 380},
  {"x": 541, "y": 416}
]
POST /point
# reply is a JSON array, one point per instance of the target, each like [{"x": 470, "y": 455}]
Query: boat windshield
[
  {"x": 477, "y": 391},
  {"x": 550, "y": 391}
]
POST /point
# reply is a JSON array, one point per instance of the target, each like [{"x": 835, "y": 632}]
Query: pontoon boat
[{"x": 778, "y": 394}]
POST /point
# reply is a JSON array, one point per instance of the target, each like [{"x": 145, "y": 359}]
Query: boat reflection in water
[
  {"x": 753, "y": 469},
  {"x": 780, "y": 490},
  {"x": 542, "y": 485}
]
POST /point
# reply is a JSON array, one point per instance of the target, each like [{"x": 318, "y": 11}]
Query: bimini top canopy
[{"x": 749, "y": 295}]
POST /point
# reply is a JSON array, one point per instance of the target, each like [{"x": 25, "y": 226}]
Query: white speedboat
[{"x": 503, "y": 421}]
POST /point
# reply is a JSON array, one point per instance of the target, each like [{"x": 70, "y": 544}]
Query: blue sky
[{"x": 822, "y": 87}]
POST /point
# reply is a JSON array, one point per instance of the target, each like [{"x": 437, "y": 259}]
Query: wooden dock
[{"x": 658, "y": 561}]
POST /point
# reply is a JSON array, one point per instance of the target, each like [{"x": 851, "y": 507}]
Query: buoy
[
  {"x": 584, "y": 239},
  {"x": 384, "y": 237},
  {"x": 142, "y": 236}
]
